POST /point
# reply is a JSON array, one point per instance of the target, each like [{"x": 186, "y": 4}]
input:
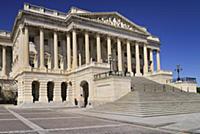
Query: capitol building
[{"x": 57, "y": 58}]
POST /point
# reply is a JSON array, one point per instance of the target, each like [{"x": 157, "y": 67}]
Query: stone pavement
[
  {"x": 181, "y": 123},
  {"x": 57, "y": 121}
]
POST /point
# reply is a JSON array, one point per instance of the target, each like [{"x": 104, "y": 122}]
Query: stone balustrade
[{"x": 45, "y": 11}]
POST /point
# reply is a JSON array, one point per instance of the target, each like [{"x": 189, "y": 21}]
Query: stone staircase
[{"x": 149, "y": 98}]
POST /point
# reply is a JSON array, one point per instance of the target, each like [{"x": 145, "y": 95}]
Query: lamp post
[{"x": 178, "y": 70}]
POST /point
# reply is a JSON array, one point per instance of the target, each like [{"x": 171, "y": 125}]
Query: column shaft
[
  {"x": 74, "y": 49},
  {"x": 68, "y": 52},
  {"x": 145, "y": 59},
  {"x": 41, "y": 49},
  {"x": 158, "y": 60},
  {"x": 55, "y": 38},
  {"x": 109, "y": 47},
  {"x": 151, "y": 59},
  {"x": 3, "y": 61},
  {"x": 129, "y": 57},
  {"x": 137, "y": 57},
  {"x": 98, "y": 48},
  {"x": 87, "y": 49},
  {"x": 119, "y": 51},
  {"x": 26, "y": 48}
]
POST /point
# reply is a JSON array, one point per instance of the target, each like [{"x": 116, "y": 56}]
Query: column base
[
  {"x": 42, "y": 68},
  {"x": 28, "y": 68},
  {"x": 132, "y": 74},
  {"x": 4, "y": 76},
  {"x": 138, "y": 74},
  {"x": 57, "y": 99},
  {"x": 43, "y": 99}
]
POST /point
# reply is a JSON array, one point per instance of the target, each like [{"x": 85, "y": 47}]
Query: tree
[{"x": 198, "y": 89}]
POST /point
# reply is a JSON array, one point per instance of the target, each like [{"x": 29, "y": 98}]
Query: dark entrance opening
[
  {"x": 64, "y": 91},
  {"x": 50, "y": 88},
  {"x": 35, "y": 90},
  {"x": 85, "y": 87}
]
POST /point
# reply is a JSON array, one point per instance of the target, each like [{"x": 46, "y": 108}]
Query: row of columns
[{"x": 87, "y": 52}]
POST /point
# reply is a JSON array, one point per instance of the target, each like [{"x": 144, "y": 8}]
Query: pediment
[{"x": 114, "y": 19}]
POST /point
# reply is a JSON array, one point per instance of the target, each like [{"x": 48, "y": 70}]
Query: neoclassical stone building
[{"x": 53, "y": 56}]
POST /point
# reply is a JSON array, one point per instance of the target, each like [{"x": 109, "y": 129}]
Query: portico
[
  {"x": 142, "y": 57},
  {"x": 73, "y": 47}
]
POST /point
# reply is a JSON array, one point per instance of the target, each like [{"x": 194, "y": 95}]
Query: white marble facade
[{"x": 57, "y": 54}]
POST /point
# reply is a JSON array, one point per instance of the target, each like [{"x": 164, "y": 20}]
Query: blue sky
[{"x": 175, "y": 22}]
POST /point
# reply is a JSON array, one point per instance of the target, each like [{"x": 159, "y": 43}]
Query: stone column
[
  {"x": 42, "y": 49},
  {"x": 151, "y": 59},
  {"x": 26, "y": 48},
  {"x": 87, "y": 49},
  {"x": 129, "y": 57},
  {"x": 158, "y": 59},
  {"x": 74, "y": 41},
  {"x": 119, "y": 51},
  {"x": 137, "y": 58},
  {"x": 145, "y": 59},
  {"x": 3, "y": 61},
  {"x": 55, "y": 39},
  {"x": 68, "y": 52},
  {"x": 98, "y": 48},
  {"x": 109, "y": 46}
]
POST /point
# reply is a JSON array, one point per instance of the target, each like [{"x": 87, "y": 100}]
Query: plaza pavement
[
  {"x": 180, "y": 123},
  {"x": 63, "y": 121}
]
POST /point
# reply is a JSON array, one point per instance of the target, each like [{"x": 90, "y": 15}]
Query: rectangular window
[
  {"x": 46, "y": 42},
  {"x": 59, "y": 44},
  {"x": 125, "y": 54},
  {"x": 31, "y": 39}
]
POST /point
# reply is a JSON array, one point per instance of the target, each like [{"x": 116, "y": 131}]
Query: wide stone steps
[{"x": 145, "y": 101}]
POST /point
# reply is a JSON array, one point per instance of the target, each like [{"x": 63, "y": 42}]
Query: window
[
  {"x": 46, "y": 62},
  {"x": 59, "y": 44},
  {"x": 31, "y": 39},
  {"x": 59, "y": 64},
  {"x": 46, "y": 42},
  {"x": 125, "y": 54},
  {"x": 31, "y": 62}
]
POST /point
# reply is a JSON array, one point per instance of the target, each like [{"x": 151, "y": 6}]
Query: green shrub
[{"x": 198, "y": 89}]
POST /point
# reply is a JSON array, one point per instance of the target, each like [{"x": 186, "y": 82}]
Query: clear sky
[{"x": 175, "y": 22}]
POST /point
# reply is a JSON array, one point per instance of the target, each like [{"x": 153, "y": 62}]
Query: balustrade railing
[
  {"x": 111, "y": 73},
  {"x": 184, "y": 79},
  {"x": 154, "y": 88},
  {"x": 46, "y": 11}
]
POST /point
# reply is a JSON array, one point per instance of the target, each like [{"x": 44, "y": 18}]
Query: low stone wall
[
  {"x": 111, "y": 88},
  {"x": 161, "y": 77},
  {"x": 185, "y": 86}
]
